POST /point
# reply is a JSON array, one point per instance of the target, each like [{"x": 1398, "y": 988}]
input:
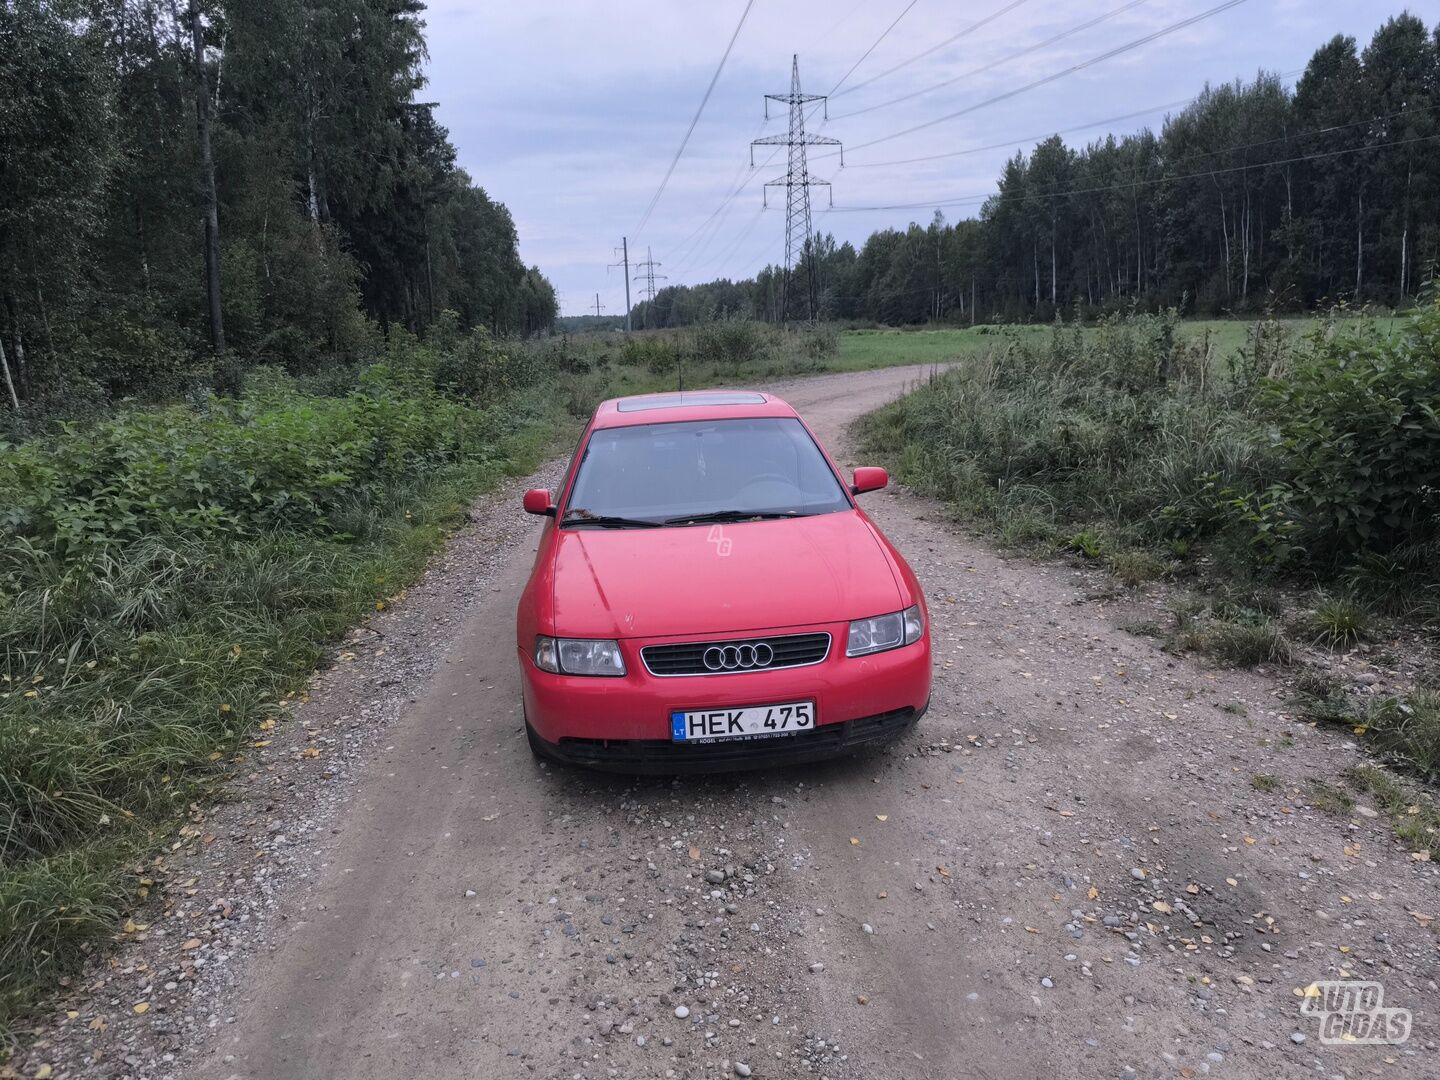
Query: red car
[{"x": 708, "y": 596}]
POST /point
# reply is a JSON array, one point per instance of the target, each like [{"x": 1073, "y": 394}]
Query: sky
[{"x": 571, "y": 112}]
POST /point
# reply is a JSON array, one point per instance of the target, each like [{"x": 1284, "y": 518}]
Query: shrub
[
  {"x": 166, "y": 577},
  {"x": 732, "y": 342},
  {"x": 1357, "y": 415}
]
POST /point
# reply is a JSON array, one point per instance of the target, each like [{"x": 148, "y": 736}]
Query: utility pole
[
  {"x": 650, "y": 277},
  {"x": 797, "y": 183},
  {"x": 625, "y": 262},
  {"x": 599, "y": 307}
]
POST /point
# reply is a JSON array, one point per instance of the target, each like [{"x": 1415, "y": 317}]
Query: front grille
[{"x": 737, "y": 656}]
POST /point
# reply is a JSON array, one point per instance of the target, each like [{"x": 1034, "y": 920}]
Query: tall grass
[
  {"x": 168, "y": 576},
  {"x": 1317, "y": 458}
]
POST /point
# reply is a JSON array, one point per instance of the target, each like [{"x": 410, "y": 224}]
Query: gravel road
[{"x": 1064, "y": 870}]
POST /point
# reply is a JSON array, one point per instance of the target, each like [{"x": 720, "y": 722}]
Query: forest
[
  {"x": 189, "y": 190},
  {"x": 1253, "y": 197}
]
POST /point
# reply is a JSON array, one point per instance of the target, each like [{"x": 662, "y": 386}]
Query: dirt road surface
[{"x": 1065, "y": 870}]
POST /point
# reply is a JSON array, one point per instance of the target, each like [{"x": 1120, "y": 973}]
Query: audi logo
[{"x": 738, "y": 657}]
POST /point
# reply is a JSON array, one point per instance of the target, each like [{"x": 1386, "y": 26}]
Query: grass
[
  {"x": 1264, "y": 782},
  {"x": 865, "y": 349},
  {"x": 1401, "y": 729},
  {"x": 132, "y": 669},
  {"x": 1412, "y": 813},
  {"x": 1339, "y": 622},
  {"x": 1330, "y": 799}
]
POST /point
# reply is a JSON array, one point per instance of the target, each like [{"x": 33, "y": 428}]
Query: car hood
[{"x": 704, "y": 579}]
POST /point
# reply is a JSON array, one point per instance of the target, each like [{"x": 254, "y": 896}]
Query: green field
[{"x": 863, "y": 349}]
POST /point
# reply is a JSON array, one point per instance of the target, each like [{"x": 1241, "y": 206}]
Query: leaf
[
  {"x": 1249, "y": 840},
  {"x": 1422, "y": 918},
  {"x": 193, "y": 943},
  {"x": 44, "y": 1072},
  {"x": 882, "y": 817},
  {"x": 1092, "y": 893},
  {"x": 1161, "y": 906},
  {"x": 1193, "y": 889},
  {"x": 1231, "y": 882},
  {"x": 854, "y": 840},
  {"x": 695, "y": 854},
  {"x": 141, "y": 1007}
]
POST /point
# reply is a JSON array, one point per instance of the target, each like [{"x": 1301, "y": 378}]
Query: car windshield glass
[{"x": 670, "y": 472}]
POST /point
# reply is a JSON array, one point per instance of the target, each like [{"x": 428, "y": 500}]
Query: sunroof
[{"x": 683, "y": 400}]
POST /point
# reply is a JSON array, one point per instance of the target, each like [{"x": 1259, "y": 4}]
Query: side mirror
[
  {"x": 868, "y": 478},
  {"x": 537, "y": 501}
]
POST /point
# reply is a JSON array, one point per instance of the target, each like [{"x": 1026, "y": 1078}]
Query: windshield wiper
[
  {"x": 733, "y": 515},
  {"x": 608, "y": 521}
]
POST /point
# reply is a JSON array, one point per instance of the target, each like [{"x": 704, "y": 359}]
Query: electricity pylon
[
  {"x": 649, "y": 277},
  {"x": 797, "y": 182}
]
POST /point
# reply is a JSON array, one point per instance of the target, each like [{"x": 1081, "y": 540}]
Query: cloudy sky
[{"x": 570, "y": 112}]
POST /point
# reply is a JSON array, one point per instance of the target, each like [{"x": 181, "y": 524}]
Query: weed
[
  {"x": 1245, "y": 644},
  {"x": 1338, "y": 622},
  {"x": 1086, "y": 543},
  {"x": 1135, "y": 568},
  {"x": 1413, "y": 814},
  {"x": 1264, "y": 782},
  {"x": 1329, "y": 798},
  {"x": 1234, "y": 708},
  {"x": 1402, "y": 729}
]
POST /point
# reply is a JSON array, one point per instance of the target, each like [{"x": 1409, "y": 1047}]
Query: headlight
[
  {"x": 885, "y": 632},
  {"x": 579, "y": 656}
]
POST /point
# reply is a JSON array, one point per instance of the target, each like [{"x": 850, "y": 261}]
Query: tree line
[
  {"x": 1253, "y": 196},
  {"x": 191, "y": 186}
]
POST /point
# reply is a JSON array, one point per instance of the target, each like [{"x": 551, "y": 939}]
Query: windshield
[{"x": 667, "y": 473}]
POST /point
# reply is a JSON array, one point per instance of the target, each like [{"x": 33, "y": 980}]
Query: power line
[
  {"x": 1127, "y": 47},
  {"x": 874, "y": 45},
  {"x": 1126, "y": 185},
  {"x": 1079, "y": 28},
  {"x": 935, "y": 48},
  {"x": 644, "y": 218},
  {"x": 1042, "y": 135}
]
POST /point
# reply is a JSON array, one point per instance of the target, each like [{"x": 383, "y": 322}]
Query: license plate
[{"x": 756, "y": 722}]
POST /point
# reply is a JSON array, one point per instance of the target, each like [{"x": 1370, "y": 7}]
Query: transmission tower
[
  {"x": 649, "y": 276},
  {"x": 599, "y": 307},
  {"x": 797, "y": 183}
]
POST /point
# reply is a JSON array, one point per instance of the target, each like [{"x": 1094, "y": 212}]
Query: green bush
[
  {"x": 1357, "y": 416},
  {"x": 1318, "y": 459},
  {"x": 733, "y": 342},
  {"x": 166, "y": 577}
]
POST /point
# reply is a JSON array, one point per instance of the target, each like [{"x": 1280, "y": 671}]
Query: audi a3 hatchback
[{"x": 708, "y": 595}]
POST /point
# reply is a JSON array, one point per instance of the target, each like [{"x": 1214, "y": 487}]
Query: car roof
[{"x": 684, "y": 405}]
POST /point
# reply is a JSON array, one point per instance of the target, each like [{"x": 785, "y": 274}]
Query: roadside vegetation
[
  {"x": 1291, "y": 487},
  {"x": 169, "y": 574},
  {"x": 1307, "y": 458}
]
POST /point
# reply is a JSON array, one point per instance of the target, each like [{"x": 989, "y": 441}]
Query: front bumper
[
  {"x": 857, "y": 700},
  {"x": 661, "y": 757}
]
